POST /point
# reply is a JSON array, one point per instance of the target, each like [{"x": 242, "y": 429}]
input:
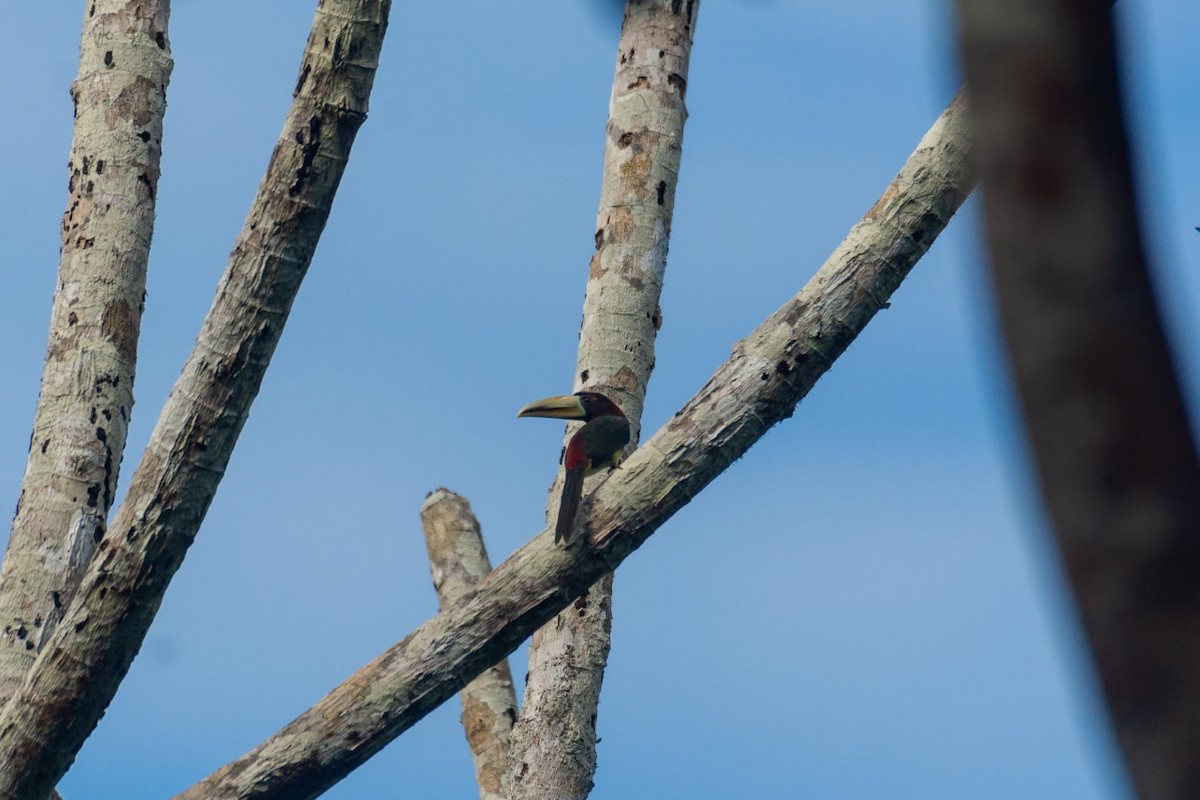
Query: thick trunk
[
  {"x": 759, "y": 385},
  {"x": 77, "y": 673},
  {"x": 554, "y": 743},
  {"x": 82, "y": 416}
]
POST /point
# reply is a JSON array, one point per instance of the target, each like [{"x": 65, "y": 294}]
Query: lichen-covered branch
[
  {"x": 759, "y": 385},
  {"x": 80, "y": 666},
  {"x": 554, "y": 743},
  {"x": 1106, "y": 418},
  {"x": 83, "y": 412},
  {"x": 458, "y": 561}
]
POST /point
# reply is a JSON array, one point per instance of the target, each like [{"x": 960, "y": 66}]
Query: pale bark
[
  {"x": 77, "y": 673},
  {"x": 458, "y": 561},
  {"x": 758, "y": 386},
  {"x": 1104, "y": 411},
  {"x": 554, "y": 743},
  {"x": 82, "y": 416}
]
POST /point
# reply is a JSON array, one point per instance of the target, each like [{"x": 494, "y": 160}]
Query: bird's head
[{"x": 581, "y": 405}]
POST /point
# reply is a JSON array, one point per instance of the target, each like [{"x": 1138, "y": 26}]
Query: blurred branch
[
  {"x": 458, "y": 561},
  {"x": 1103, "y": 408},
  {"x": 554, "y": 743},
  {"x": 759, "y": 385},
  {"x": 75, "y": 677}
]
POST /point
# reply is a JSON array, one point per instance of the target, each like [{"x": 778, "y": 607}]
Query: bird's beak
[{"x": 562, "y": 407}]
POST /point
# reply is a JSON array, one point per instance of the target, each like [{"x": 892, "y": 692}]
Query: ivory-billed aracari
[{"x": 598, "y": 444}]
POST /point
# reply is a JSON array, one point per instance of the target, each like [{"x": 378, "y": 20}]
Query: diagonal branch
[
  {"x": 1103, "y": 408},
  {"x": 759, "y": 385},
  {"x": 77, "y": 673},
  {"x": 82, "y": 416},
  {"x": 554, "y": 742},
  {"x": 458, "y": 561}
]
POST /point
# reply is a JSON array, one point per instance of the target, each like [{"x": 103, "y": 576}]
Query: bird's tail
[{"x": 572, "y": 492}]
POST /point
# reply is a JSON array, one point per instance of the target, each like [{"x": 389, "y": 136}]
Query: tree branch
[
  {"x": 758, "y": 386},
  {"x": 82, "y": 416},
  {"x": 458, "y": 561},
  {"x": 73, "y": 680},
  {"x": 1104, "y": 412},
  {"x": 554, "y": 743}
]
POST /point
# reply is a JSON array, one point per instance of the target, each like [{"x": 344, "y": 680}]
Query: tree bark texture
[
  {"x": 759, "y": 385},
  {"x": 82, "y": 415},
  {"x": 458, "y": 561},
  {"x": 77, "y": 673},
  {"x": 554, "y": 744},
  {"x": 1111, "y": 440}
]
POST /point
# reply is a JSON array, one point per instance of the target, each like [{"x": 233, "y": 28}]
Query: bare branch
[
  {"x": 761, "y": 383},
  {"x": 1106, "y": 419},
  {"x": 77, "y": 673},
  {"x": 554, "y": 743},
  {"x": 82, "y": 416},
  {"x": 458, "y": 561}
]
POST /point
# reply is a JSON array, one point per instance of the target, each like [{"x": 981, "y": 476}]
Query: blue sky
[{"x": 867, "y": 605}]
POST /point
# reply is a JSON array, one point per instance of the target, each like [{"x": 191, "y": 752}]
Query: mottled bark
[
  {"x": 1107, "y": 423},
  {"x": 759, "y": 385},
  {"x": 77, "y": 673},
  {"x": 83, "y": 411},
  {"x": 554, "y": 743},
  {"x": 458, "y": 561}
]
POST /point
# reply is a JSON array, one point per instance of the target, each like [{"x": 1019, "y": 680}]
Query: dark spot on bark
[
  {"x": 84, "y": 168},
  {"x": 656, "y": 318},
  {"x": 625, "y": 140},
  {"x": 120, "y": 324},
  {"x": 594, "y": 725},
  {"x": 144, "y": 179},
  {"x": 160, "y": 40},
  {"x": 642, "y": 82},
  {"x": 583, "y": 376},
  {"x": 599, "y": 238},
  {"x": 92, "y": 416},
  {"x": 763, "y": 376},
  {"x": 79, "y": 626},
  {"x": 108, "y": 59},
  {"x": 511, "y": 713},
  {"x": 678, "y": 81},
  {"x": 100, "y": 167},
  {"x": 88, "y": 189},
  {"x": 22, "y": 632},
  {"x": 676, "y": 5},
  {"x": 102, "y": 434},
  {"x": 690, "y": 5},
  {"x": 353, "y": 736},
  {"x": 662, "y": 53},
  {"x": 304, "y": 71},
  {"x": 93, "y": 495},
  {"x": 45, "y": 444},
  {"x": 581, "y": 604},
  {"x": 524, "y": 771},
  {"x": 72, "y": 318},
  {"x": 103, "y": 592},
  {"x": 29, "y": 645},
  {"x": 661, "y": 191},
  {"x": 92, "y": 10},
  {"x": 56, "y": 598},
  {"x": 144, "y": 136},
  {"x": 782, "y": 368},
  {"x": 308, "y": 154},
  {"x": 107, "y": 414},
  {"x": 121, "y": 411}
]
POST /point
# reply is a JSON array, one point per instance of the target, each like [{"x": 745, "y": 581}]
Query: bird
[{"x": 598, "y": 444}]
